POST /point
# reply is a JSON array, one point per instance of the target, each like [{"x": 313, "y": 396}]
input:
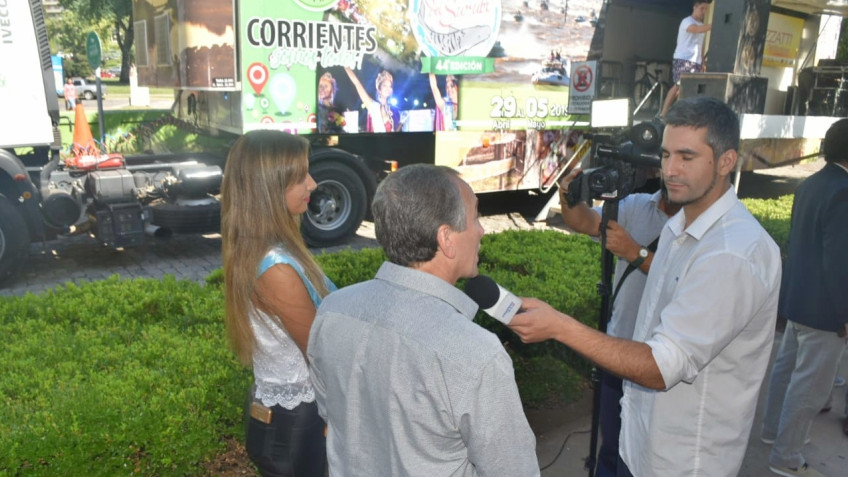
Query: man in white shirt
[
  {"x": 706, "y": 321},
  {"x": 689, "y": 52}
]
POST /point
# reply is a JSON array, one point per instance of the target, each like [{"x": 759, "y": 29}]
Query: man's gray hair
[{"x": 409, "y": 207}]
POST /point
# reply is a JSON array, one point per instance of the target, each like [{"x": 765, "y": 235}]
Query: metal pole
[{"x": 100, "y": 122}]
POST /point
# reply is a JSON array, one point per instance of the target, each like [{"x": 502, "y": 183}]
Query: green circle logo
[{"x": 317, "y": 5}]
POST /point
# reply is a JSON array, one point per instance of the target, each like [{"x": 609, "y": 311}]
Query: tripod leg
[{"x": 646, "y": 98}]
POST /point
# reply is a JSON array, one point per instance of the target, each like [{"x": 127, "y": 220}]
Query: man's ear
[
  {"x": 444, "y": 237},
  {"x": 727, "y": 162}
]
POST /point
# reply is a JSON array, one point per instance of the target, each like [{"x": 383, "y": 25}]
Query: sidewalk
[{"x": 827, "y": 452}]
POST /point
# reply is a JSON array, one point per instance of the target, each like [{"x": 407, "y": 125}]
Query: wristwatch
[{"x": 643, "y": 254}]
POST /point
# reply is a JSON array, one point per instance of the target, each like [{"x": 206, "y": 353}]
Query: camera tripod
[{"x": 609, "y": 212}]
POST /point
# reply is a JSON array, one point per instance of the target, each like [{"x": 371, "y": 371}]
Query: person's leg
[
  {"x": 610, "y": 424},
  {"x": 781, "y": 372},
  {"x": 291, "y": 445},
  {"x": 621, "y": 469},
  {"x": 310, "y": 445},
  {"x": 845, "y": 422},
  {"x": 670, "y": 98},
  {"x": 809, "y": 386}
]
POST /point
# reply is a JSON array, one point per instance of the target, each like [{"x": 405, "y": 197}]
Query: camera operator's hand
[
  {"x": 579, "y": 217},
  {"x": 566, "y": 179},
  {"x": 620, "y": 243}
]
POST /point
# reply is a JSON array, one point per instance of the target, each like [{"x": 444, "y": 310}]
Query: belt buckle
[{"x": 260, "y": 413}]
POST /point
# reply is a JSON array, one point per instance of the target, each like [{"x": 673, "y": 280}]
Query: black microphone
[{"x": 494, "y": 299}]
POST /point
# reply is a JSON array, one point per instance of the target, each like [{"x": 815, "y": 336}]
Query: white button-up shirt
[{"x": 708, "y": 314}]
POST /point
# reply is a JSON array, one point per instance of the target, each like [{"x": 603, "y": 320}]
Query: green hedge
[
  {"x": 774, "y": 215},
  {"x": 135, "y": 376},
  {"x": 116, "y": 377}
]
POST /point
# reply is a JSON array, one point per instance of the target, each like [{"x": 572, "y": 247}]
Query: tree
[
  {"x": 119, "y": 15},
  {"x": 67, "y": 37}
]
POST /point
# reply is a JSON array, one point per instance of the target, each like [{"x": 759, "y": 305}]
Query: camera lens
[{"x": 603, "y": 180}]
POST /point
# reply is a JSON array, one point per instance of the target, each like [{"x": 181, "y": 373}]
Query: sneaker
[
  {"x": 804, "y": 470},
  {"x": 839, "y": 382}
]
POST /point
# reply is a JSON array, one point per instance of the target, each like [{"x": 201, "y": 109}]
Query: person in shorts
[{"x": 689, "y": 53}]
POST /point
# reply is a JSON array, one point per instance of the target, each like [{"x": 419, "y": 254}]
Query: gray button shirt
[{"x": 409, "y": 385}]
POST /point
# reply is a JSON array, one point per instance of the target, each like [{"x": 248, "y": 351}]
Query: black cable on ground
[{"x": 556, "y": 457}]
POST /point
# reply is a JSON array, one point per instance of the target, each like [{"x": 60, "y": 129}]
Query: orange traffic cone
[{"x": 83, "y": 140}]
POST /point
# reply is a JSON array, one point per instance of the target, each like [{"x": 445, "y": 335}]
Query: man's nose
[{"x": 670, "y": 166}]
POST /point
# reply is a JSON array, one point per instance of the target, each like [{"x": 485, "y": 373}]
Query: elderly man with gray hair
[{"x": 408, "y": 384}]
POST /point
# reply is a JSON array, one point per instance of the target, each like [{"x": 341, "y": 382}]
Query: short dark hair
[
  {"x": 409, "y": 207},
  {"x": 835, "y": 144},
  {"x": 698, "y": 2},
  {"x": 705, "y": 112}
]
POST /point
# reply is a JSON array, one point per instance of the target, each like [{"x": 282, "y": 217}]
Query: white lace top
[{"x": 279, "y": 368}]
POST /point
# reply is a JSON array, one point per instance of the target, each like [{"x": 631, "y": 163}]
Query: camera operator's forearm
[
  {"x": 538, "y": 321},
  {"x": 628, "y": 359},
  {"x": 580, "y": 218}
]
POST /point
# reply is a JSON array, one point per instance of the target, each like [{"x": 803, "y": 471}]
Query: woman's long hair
[{"x": 260, "y": 167}]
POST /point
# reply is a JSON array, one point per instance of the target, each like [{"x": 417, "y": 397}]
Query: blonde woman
[{"x": 273, "y": 287}]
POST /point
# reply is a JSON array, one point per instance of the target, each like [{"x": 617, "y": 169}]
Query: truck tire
[
  {"x": 88, "y": 95},
  {"x": 188, "y": 219},
  {"x": 14, "y": 239},
  {"x": 337, "y": 206}
]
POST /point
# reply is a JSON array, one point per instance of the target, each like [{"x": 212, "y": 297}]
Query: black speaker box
[
  {"x": 744, "y": 94},
  {"x": 738, "y": 36}
]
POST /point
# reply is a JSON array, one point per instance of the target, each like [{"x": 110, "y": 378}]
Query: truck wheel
[
  {"x": 88, "y": 95},
  {"x": 336, "y": 208},
  {"x": 14, "y": 239}
]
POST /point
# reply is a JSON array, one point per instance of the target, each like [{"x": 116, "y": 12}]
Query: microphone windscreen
[{"x": 483, "y": 290}]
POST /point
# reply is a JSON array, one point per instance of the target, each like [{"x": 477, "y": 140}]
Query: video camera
[{"x": 621, "y": 164}]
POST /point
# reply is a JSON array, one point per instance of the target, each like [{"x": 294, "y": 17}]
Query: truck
[
  {"x": 380, "y": 84},
  {"x": 501, "y": 90}
]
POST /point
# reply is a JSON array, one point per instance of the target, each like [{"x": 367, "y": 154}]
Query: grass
[
  {"x": 115, "y": 87},
  {"x": 138, "y": 130}
]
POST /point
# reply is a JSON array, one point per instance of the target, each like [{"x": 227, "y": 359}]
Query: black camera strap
[{"x": 653, "y": 248}]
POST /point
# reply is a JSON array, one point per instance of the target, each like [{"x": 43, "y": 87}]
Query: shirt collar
[
  {"x": 840, "y": 165},
  {"x": 429, "y": 284},
  {"x": 656, "y": 197},
  {"x": 699, "y": 227}
]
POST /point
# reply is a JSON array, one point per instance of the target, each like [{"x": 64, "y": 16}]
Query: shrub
[
  {"x": 117, "y": 377},
  {"x": 135, "y": 376},
  {"x": 774, "y": 215}
]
